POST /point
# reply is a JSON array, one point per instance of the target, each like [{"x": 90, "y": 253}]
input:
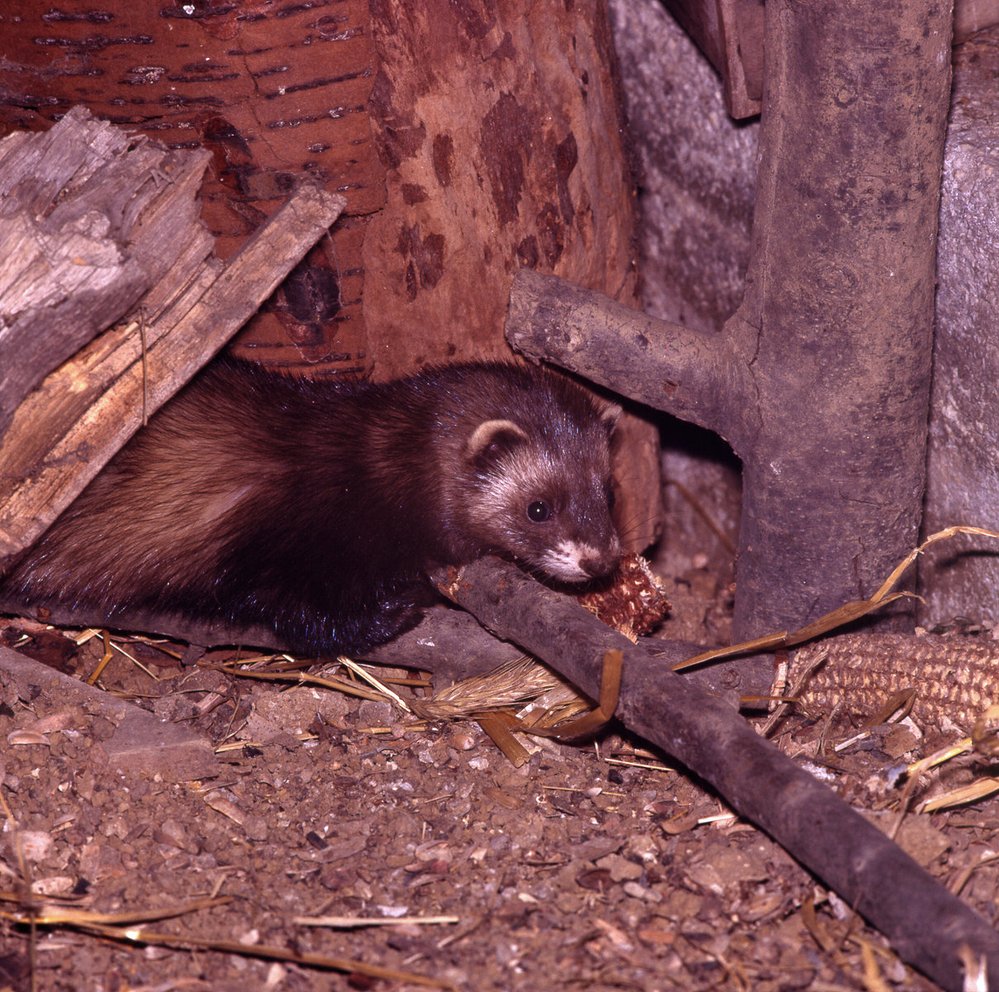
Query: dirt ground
[{"x": 329, "y": 826}]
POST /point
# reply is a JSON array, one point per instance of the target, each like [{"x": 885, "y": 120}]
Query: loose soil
[{"x": 596, "y": 867}]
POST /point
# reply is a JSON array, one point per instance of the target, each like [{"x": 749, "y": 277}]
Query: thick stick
[
  {"x": 695, "y": 376},
  {"x": 926, "y": 925}
]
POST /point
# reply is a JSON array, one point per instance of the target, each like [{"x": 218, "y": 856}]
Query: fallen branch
[
  {"x": 690, "y": 374},
  {"x": 815, "y": 826}
]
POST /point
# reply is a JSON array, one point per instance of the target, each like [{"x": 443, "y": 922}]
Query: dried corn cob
[{"x": 955, "y": 678}]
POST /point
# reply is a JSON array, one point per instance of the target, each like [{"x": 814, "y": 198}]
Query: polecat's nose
[{"x": 598, "y": 565}]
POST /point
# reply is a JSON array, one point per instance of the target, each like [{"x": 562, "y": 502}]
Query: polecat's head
[{"x": 538, "y": 482}]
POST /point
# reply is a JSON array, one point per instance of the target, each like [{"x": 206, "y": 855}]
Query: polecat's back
[{"x": 316, "y": 508}]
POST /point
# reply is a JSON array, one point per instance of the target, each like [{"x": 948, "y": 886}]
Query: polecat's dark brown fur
[{"x": 317, "y": 508}]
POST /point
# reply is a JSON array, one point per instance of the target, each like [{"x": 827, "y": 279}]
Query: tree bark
[
  {"x": 820, "y": 380},
  {"x": 274, "y": 93},
  {"x": 839, "y": 304},
  {"x": 962, "y": 578},
  {"x": 485, "y": 116},
  {"x": 468, "y": 138}
]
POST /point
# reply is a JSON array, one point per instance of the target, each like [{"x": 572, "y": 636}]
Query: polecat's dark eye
[
  {"x": 609, "y": 495},
  {"x": 538, "y": 511}
]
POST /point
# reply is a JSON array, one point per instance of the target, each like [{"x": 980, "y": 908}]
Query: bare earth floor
[{"x": 597, "y": 867}]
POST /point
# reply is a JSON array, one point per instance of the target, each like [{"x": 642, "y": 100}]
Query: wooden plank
[
  {"x": 85, "y": 411},
  {"x": 730, "y": 34}
]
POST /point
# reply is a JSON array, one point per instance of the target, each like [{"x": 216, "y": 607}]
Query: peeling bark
[{"x": 275, "y": 93}]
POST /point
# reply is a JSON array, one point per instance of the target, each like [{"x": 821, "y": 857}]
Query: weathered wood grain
[
  {"x": 85, "y": 411},
  {"x": 90, "y": 219}
]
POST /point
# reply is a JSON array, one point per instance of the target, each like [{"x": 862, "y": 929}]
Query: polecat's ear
[
  {"x": 610, "y": 415},
  {"x": 491, "y": 439}
]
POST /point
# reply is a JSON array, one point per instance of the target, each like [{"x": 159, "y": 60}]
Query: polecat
[{"x": 317, "y": 508}]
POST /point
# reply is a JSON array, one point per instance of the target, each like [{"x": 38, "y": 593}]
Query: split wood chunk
[
  {"x": 188, "y": 306},
  {"x": 91, "y": 219}
]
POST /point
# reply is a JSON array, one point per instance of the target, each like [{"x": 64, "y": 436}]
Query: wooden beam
[{"x": 86, "y": 410}]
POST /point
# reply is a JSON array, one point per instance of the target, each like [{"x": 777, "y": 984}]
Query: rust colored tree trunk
[
  {"x": 820, "y": 380},
  {"x": 272, "y": 92},
  {"x": 469, "y": 138},
  {"x": 496, "y": 123}
]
